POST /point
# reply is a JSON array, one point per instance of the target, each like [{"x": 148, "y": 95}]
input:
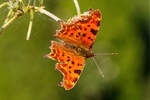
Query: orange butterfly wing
[
  {"x": 71, "y": 64},
  {"x": 78, "y": 35},
  {"x": 81, "y": 31}
]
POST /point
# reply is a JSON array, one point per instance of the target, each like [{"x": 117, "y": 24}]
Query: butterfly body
[
  {"x": 78, "y": 36},
  {"x": 81, "y": 51}
]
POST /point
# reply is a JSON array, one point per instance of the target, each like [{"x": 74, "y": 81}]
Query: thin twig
[
  {"x": 10, "y": 14},
  {"x": 30, "y": 24},
  {"x": 3, "y": 4},
  {"x": 43, "y": 11},
  {"x": 29, "y": 2},
  {"x": 10, "y": 21},
  {"x": 77, "y": 6},
  {"x": 41, "y": 2},
  {"x": 23, "y": 3}
]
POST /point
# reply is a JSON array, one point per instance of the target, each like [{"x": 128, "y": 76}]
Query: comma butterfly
[{"x": 78, "y": 35}]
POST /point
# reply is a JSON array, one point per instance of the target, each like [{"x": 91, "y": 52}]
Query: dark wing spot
[
  {"x": 79, "y": 33},
  {"x": 81, "y": 65},
  {"x": 70, "y": 67},
  {"x": 89, "y": 25},
  {"x": 93, "y": 31},
  {"x": 65, "y": 33},
  {"x": 63, "y": 54},
  {"x": 89, "y": 37},
  {"x": 91, "y": 47},
  {"x": 54, "y": 51},
  {"x": 80, "y": 27},
  {"x": 71, "y": 34},
  {"x": 68, "y": 57},
  {"x": 78, "y": 64},
  {"x": 51, "y": 55},
  {"x": 74, "y": 80},
  {"x": 77, "y": 71},
  {"x": 69, "y": 71},
  {"x": 85, "y": 29},
  {"x": 68, "y": 60},
  {"x": 98, "y": 23},
  {"x": 84, "y": 35},
  {"x": 72, "y": 62}
]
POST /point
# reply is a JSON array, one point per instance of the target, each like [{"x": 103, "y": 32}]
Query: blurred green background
[{"x": 26, "y": 75}]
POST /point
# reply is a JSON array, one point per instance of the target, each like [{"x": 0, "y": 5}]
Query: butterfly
[{"x": 77, "y": 37}]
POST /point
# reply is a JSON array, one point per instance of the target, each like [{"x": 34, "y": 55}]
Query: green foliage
[{"x": 18, "y": 8}]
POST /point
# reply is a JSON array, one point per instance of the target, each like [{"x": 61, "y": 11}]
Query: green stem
[
  {"x": 23, "y": 3},
  {"x": 30, "y": 24},
  {"x": 41, "y": 2},
  {"x": 43, "y": 11},
  {"x": 10, "y": 21},
  {"x": 4, "y": 4},
  {"x": 10, "y": 13},
  {"x": 77, "y": 6}
]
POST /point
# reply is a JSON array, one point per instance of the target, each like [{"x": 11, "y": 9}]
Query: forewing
[
  {"x": 81, "y": 31},
  {"x": 71, "y": 64}
]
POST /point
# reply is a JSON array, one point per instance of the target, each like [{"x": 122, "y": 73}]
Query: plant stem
[
  {"x": 43, "y": 11},
  {"x": 10, "y": 21},
  {"x": 3, "y": 4},
  {"x": 30, "y": 24},
  {"x": 77, "y": 6},
  {"x": 10, "y": 14}
]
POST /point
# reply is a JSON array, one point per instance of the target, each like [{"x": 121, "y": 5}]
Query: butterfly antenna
[
  {"x": 98, "y": 67},
  {"x": 106, "y": 54},
  {"x": 77, "y": 6}
]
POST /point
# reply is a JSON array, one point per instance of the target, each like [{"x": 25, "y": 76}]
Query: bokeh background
[{"x": 26, "y": 75}]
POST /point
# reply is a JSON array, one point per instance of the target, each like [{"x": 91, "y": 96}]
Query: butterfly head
[{"x": 84, "y": 52}]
